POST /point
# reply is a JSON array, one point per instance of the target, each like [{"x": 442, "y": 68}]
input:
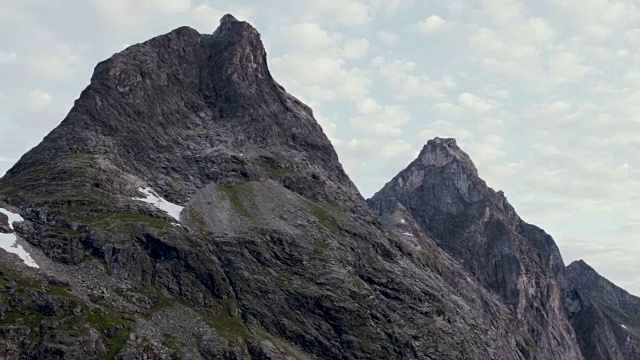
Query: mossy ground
[
  {"x": 326, "y": 214},
  {"x": 240, "y": 197},
  {"x": 117, "y": 220},
  {"x": 28, "y": 294},
  {"x": 198, "y": 220},
  {"x": 226, "y": 324}
]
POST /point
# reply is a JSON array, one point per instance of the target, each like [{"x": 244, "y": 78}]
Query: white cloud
[
  {"x": 388, "y": 38},
  {"x": 476, "y": 103},
  {"x": 448, "y": 110},
  {"x": 387, "y": 120},
  {"x": 38, "y": 100},
  {"x": 405, "y": 85},
  {"x": 59, "y": 66},
  {"x": 135, "y": 14},
  {"x": 444, "y": 129},
  {"x": 432, "y": 24},
  {"x": 486, "y": 150},
  {"x": 355, "y": 48},
  {"x": 167, "y": 6},
  {"x": 368, "y": 106},
  {"x": 567, "y": 66},
  {"x": 511, "y": 57},
  {"x": 381, "y": 150},
  {"x": 325, "y": 70},
  {"x": 208, "y": 17},
  {"x": 311, "y": 35},
  {"x": 316, "y": 68},
  {"x": 345, "y": 12},
  {"x": 8, "y": 58}
]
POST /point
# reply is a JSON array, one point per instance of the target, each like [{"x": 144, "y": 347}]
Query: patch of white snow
[
  {"x": 402, "y": 221},
  {"x": 154, "y": 199},
  {"x": 624, "y": 327},
  {"x": 406, "y": 233},
  {"x": 9, "y": 242}
]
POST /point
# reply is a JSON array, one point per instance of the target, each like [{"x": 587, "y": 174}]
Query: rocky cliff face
[
  {"x": 273, "y": 253},
  {"x": 605, "y": 317},
  {"x": 517, "y": 261}
]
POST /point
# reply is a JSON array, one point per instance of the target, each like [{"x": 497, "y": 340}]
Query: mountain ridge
[{"x": 274, "y": 253}]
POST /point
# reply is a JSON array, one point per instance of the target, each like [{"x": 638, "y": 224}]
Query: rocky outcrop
[
  {"x": 5, "y": 227},
  {"x": 41, "y": 319},
  {"x": 517, "y": 261},
  {"x": 605, "y": 317}
]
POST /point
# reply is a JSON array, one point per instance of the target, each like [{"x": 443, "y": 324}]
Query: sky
[{"x": 543, "y": 95}]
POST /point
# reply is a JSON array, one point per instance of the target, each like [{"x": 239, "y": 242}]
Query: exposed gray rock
[
  {"x": 5, "y": 227},
  {"x": 605, "y": 317},
  {"x": 517, "y": 261}
]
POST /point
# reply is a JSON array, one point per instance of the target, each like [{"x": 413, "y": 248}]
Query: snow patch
[
  {"x": 154, "y": 199},
  {"x": 402, "y": 221},
  {"x": 9, "y": 242},
  {"x": 624, "y": 327},
  {"x": 406, "y": 233}
]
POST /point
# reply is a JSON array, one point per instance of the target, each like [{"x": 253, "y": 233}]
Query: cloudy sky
[{"x": 544, "y": 95}]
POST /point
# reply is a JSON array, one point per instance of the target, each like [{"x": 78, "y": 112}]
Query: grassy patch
[
  {"x": 282, "y": 282},
  {"x": 227, "y": 325},
  {"x": 198, "y": 220},
  {"x": 325, "y": 213},
  {"x": 320, "y": 245},
  {"x": 281, "y": 172},
  {"x": 104, "y": 322},
  {"x": 172, "y": 344},
  {"x": 116, "y": 220},
  {"x": 10, "y": 190},
  {"x": 69, "y": 232},
  {"x": 116, "y": 344},
  {"x": 235, "y": 194}
]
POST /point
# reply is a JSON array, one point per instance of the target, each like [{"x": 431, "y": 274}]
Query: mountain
[
  {"x": 520, "y": 263},
  {"x": 605, "y": 317},
  {"x": 189, "y": 207}
]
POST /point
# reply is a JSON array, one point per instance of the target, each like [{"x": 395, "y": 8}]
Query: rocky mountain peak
[
  {"x": 442, "y": 192},
  {"x": 184, "y": 109},
  {"x": 242, "y": 48},
  {"x": 603, "y": 315},
  {"x": 581, "y": 265},
  {"x": 442, "y": 151}
]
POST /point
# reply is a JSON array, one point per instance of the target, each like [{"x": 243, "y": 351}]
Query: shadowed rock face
[
  {"x": 605, "y": 317},
  {"x": 517, "y": 261},
  {"x": 276, "y": 254},
  {"x": 5, "y": 227}
]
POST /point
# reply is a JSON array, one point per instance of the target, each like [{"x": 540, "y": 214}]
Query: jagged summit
[
  {"x": 228, "y": 18},
  {"x": 442, "y": 192},
  {"x": 174, "y": 111},
  {"x": 441, "y": 151},
  {"x": 605, "y": 316},
  {"x": 581, "y": 265}
]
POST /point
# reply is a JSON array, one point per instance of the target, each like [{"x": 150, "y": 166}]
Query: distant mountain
[
  {"x": 605, "y": 317},
  {"x": 517, "y": 261}
]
